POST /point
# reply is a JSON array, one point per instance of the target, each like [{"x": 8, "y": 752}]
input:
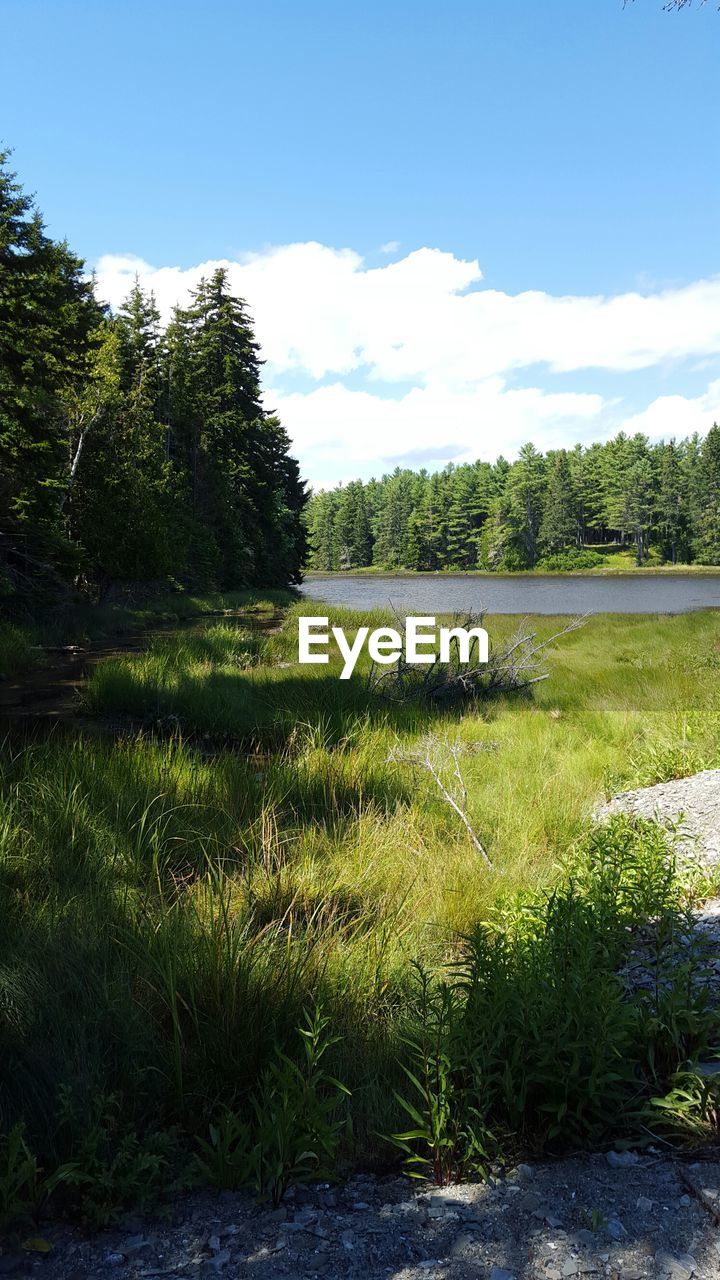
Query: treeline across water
[
  {"x": 127, "y": 452},
  {"x": 544, "y": 511}
]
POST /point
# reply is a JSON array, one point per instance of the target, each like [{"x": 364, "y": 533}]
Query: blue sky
[{"x": 569, "y": 148}]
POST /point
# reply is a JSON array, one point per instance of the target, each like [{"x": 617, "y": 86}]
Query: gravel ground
[
  {"x": 621, "y": 1216},
  {"x": 696, "y": 800},
  {"x": 624, "y": 1217}
]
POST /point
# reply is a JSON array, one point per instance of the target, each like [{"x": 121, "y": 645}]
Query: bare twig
[
  {"x": 423, "y": 759},
  {"x": 510, "y": 668}
]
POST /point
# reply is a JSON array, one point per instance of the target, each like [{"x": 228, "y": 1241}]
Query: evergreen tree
[
  {"x": 708, "y": 530},
  {"x": 322, "y": 510},
  {"x": 559, "y": 529},
  {"x": 353, "y": 539},
  {"x": 47, "y": 315},
  {"x": 525, "y": 488},
  {"x": 672, "y": 505},
  {"x": 636, "y": 516}
]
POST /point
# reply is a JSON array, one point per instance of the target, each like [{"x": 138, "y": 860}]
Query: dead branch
[
  {"x": 456, "y": 798},
  {"x": 512, "y": 667}
]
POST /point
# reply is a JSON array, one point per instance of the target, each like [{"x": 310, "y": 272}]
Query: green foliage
[
  {"x": 297, "y": 1122},
  {"x": 294, "y": 1127},
  {"x": 535, "y": 1036},
  {"x": 690, "y": 1110},
  {"x": 110, "y": 1167},
  {"x": 18, "y": 654},
  {"x": 168, "y": 910},
  {"x": 647, "y": 499},
  {"x": 20, "y": 1181},
  {"x": 570, "y": 561},
  {"x": 129, "y": 453},
  {"x": 448, "y": 1140}
]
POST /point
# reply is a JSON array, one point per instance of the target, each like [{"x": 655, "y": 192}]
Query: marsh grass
[
  {"x": 19, "y": 650},
  {"x": 169, "y": 911}
]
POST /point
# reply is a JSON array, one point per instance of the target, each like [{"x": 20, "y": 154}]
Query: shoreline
[{"x": 688, "y": 570}]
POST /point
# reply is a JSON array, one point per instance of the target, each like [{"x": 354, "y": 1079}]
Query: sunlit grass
[{"x": 169, "y": 906}]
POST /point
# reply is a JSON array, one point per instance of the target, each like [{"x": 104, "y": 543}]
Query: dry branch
[{"x": 511, "y": 668}]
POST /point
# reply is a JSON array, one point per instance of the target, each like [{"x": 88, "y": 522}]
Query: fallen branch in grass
[
  {"x": 456, "y": 796},
  {"x": 511, "y": 667}
]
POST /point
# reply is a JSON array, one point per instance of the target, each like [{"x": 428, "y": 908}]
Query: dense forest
[
  {"x": 541, "y": 511},
  {"x": 128, "y": 452}
]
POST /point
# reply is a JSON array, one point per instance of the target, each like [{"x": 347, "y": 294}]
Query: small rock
[
  {"x": 569, "y": 1267},
  {"x": 461, "y": 1243},
  {"x": 553, "y": 1221},
  {"x": 525, "y": 1172},
  {"x": 530, "y": 1201},
  {"x": 622, "y": 1159},
  {"x": 213, "y": 1244},
  {"x": 220, "y": 1259},
  {"x": 585, "y": 1236},
  {"x": 360, "y": 1205},
  {"x": 684, "y": 1201},
  {"x": 500, "y": 1273},
  {"x": 348, "y": 1240},
  {"x": 615, "y": 1229},
  {"x": 643, "y": 1204},
  {"x": 675, "y": 1266},
  {"x": 114, "y": 1259}
]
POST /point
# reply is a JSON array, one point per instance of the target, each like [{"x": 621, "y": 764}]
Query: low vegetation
[{"x": 248, "y": 966}]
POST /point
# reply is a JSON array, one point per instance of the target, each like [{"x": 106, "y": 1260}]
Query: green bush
[
  {"x": 566, "y": 561},
  {"x": 535, "y": 1034}
]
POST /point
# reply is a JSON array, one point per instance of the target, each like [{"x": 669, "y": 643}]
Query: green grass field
[{"x": 173, "y": 900}]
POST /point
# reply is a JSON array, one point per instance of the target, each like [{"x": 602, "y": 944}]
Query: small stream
[{"x": 48, "y": 698}]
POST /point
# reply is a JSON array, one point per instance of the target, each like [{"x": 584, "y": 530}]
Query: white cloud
[
  {"x": 677, "y": 415},
  {"x": 340, "y": 433},
  {"x": 425, "y": 322},
  {"x": 391, "y": 246}
]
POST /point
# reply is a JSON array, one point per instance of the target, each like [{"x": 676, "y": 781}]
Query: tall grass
[
  {"x": 19, "y": 650},
  {"x": 170, "y": 909}
]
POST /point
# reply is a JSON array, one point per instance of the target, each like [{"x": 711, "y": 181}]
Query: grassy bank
[
  {"x": 19, "y": 649},
  {"x": 25, "y": 645},
  {"x": 171, "y": 909}
]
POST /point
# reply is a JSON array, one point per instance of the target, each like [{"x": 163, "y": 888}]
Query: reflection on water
[{"x": 526, "y": 593}]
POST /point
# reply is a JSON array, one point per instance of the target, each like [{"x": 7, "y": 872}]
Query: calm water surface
[{"x": 446, "y": 593}]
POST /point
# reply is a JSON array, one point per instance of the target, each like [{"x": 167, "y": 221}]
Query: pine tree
[
  {"x": 246, "y": 497},
  {"x": 321, "y": 514},
  {"x": 47, "y": 315},
  {"x": 352, "y": 528},
  {"x": 559, "y": 528},
  {"x": 636, "y": 516},
  {"x": 525, "y": 487},
  {"x": 708, "y": 530},
  {"x": 672, "y": 519}
]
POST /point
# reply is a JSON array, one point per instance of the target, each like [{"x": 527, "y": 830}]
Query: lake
[{"x": 524, "y": 593}]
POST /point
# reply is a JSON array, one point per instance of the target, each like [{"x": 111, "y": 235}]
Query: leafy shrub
[
  {"x": 18, "y": 652},
  {"x": 20, "y": 1181},
  {"x": 566, "y": 561},
  {"x": 111, "y": 1168},
  {"x": 448, "y": 1139},
  {"x": 535, "y": 1034},
  {"x": 293, "y": 1129}
]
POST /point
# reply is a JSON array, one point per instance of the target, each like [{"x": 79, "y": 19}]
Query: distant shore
[{"x": 602, "y": 571}]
